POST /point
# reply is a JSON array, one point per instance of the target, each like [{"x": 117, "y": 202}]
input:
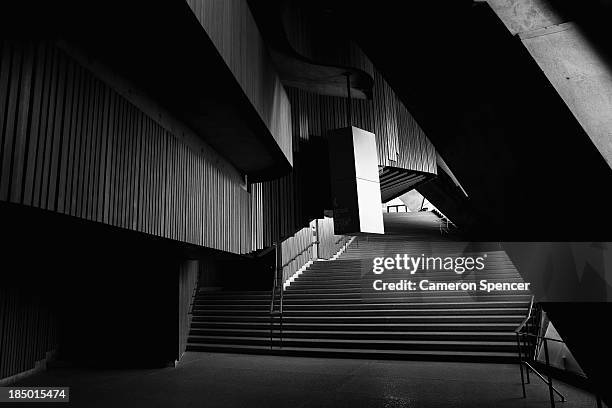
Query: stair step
[
  {"x": 430, "y": 355},
  {"x": 370, "y": 319},
  {"x": 390, "y": 327},
  {"x": 390, "y": 299},
  {"x": 367, "y": 280},
  {"x": 367, "y": 285},
  {"x": 381, "y": 335},
  {"x": 348, "y": 275},
  {"x": 359, "y": 343},
  {"x": 369, "y": 289},
  {"x": 332, "y": 310},
  {"x": 367, "y": 268},
  {"x": 386, "y": 313},
  {"x": 355, "y": 306}
]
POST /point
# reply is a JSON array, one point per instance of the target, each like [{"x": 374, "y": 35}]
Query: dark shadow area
[
  {"x": 113, "y": 293},
  {"x": 239, "y": 380},
  {"x": 105, "y": 296},
  {"x": 491, "y": 113},
  {"x": 163, "y": 50},
  {"x": 593, "y": 18},
  {"x": 583, "y": 327}
]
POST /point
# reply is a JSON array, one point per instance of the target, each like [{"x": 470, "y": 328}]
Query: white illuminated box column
[{"x": 354, "y": 181}]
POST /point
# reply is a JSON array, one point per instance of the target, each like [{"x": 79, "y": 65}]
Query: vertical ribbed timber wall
[
  {"x": 401, "y": 143},
  {"x": 187, "y": 280},
  {"x": 298, "y": 249},
  {"x": 33, "y": 327},
  {"x": 69, "y": 143}
]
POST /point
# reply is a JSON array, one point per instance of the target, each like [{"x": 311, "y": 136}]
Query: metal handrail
[
  {"x": 397, "y": 207},
  {"x": 529, "y": 367},
  {"x": 277, "y": 282},
  {"x": 443, "y": 220},
  {"x": 541, "y": 337},
  {"x": 273, "y": 290},
  {"x": 298, "y": 255},
  {"x": 526, "y": 319},
  {"x": 522, "y": 343}
]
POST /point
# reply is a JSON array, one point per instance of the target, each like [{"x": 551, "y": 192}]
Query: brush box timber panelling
[
  {"x": 232, "y": 28},
  {"x": 283, "y": 206},
  {"x": 319, "y": 39},
  {"x": 187, "y": 283},
  {"x": 298, "y": 249},
  {"x": 33, "y": 326},
  {"x": 276, "y": 209},
  {"x": 85, "y": 288},
  {"x": 71, "y": 144},
  {"x": 400, "y": 141}
]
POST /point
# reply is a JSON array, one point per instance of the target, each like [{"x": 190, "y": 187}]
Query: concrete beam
[
  {"x": 520, "y": 16},
  {"x": 574, "y": 66}
]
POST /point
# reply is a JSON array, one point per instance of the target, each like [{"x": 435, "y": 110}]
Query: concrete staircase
[{"x": 332, "y": 309}]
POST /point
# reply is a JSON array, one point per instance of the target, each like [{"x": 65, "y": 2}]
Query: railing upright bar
[
  {"x": 550, "y": 385},
  {"x": 541, "y": 377},
  {"x": 272, "y": 310},
  {"x": 275, "y": 282},
  {"x": 282, "y": 290},
  {"x": 520, "y": 356},
  {"x": 272, "y": 298},
  {"x": 299, "y": 254},
  {"x": 528, "y": 350},
  {"x": 279, "y": 282},
  {"x": 279, "y": 274},
  {"x": 527, "y": 346}
]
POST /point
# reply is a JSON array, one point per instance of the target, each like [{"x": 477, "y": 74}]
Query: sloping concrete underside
[
  {"x": 493, "y": 115},
  {"x": 571, "y": 58}
]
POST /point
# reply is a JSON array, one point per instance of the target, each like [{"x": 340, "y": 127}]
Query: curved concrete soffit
[{"x": 318, "y": 67}]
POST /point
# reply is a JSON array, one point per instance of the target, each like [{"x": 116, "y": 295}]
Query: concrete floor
[{"x": 232, "y": 380}]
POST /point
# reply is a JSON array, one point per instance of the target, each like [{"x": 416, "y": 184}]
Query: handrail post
[
  {"x": 274, "y": 287},
  {"x": 528, "y": 344},
  {"x": 279, "y": 274},
  {"x": 550, "y": 384},
  {"x": 520, "y": 355},
  {"x": 278, "y": 253},
  {"x": 529, "y": 352},
  {"x": 316, "y": 256},
  {"x": 272, "y": 308}
]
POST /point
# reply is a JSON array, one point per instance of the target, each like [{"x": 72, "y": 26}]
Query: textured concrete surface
[
  {"x": 579, "y": 71},
  {"x": 232, "y": 380},
  {"x": 582, "y": 76},
  {"x": 520, "y": 16}
]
